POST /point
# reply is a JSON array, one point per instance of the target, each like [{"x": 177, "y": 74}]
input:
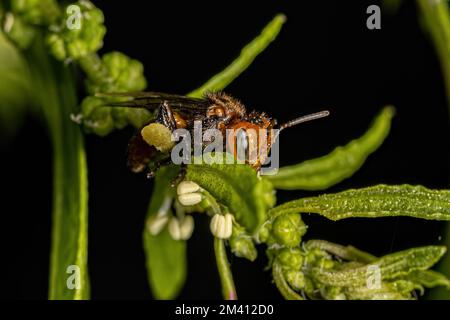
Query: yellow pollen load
[{"x": 158, "y": 135}]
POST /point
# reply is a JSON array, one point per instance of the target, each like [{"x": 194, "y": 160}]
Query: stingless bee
[{"x": 150, "y": 147}]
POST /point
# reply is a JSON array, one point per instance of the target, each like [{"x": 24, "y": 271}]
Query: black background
[{"x": 324, "y": 57}]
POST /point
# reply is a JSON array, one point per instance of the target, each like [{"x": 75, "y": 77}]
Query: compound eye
[{"x": 242, "y": 140}]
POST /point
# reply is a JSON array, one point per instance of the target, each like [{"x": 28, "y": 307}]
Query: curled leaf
[
  {"x": 374, "y": 202},
  {"x": 341, "y": 163}
]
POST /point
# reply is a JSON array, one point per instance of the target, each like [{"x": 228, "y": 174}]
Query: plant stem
[
  {"x": 223, "y": 266},
  {"x": 54, "y": 93},
  {"x": 436, "y": 18}
]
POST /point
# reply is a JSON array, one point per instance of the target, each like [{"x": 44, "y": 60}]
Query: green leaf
[
  {"x": 391, "y": 266},
  {"x": 429, "y": 279},
  {"x": 349, "y": 253},
  {"x": 165, "y": 257},
  {"x": 237, "y": 187},
  {"x": 341, "y": 163},
  {"x": 373, "y": 202},
  {"x": 54, "y": 92},
  {"x": 248, "y": 54}
]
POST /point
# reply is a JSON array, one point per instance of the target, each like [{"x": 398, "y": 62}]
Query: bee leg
[
  {"x": 151, "y": 173},
  {"x": 180, "y": 176},
  {"x": 165, "y": 116}
]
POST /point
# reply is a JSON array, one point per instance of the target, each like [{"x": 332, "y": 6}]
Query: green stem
[
  {"x": 54, "y": 93},
  {"x": 226, "y": 278},
  {"x": 284, "y": 288},
  {"x": 436, "y": 18}
]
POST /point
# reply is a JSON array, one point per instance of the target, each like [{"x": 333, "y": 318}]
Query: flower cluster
[{"x": 74, "y": 33}]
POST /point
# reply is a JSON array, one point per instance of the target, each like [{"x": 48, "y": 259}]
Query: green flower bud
[
  {"x": 79, "y": 33},
  {"x": 326, "y": 263},
  {"x": 315, "y": 256},
  {"x": 309, "y": 287},
  {"x": 264, "y": 233},
  {"x": 333, "y": 293},
  {"x": 38, "y": 12},
  {"x": 96, "y": 119},
  {"x": 291, "y": 258},
  {"x": 288, "y": 229},
  {"x": 296, "y": 279},
  {"x": 242, "y": 245},
  {"x": 125, "y": 75}
]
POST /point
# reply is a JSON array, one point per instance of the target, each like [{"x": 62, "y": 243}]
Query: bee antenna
[{"x": 306, "y": 118}]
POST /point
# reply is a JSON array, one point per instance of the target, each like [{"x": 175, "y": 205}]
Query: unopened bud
[
  {"x": 333, "y": 293},
  {"x": 222, "y": 225},
  {"x": 291, "y": 258},
  {"x": 190, "y": 199},
  {"x": 263, "y": 233},
  {"x": 288, "y": 229},
  {"x": 185, "y": 187},
  {"x": 296, "y": 279},
  {"x": 181, "y": 229},
  {"x": 242, "y": 246},
  {"x": 156, "y": 223}
]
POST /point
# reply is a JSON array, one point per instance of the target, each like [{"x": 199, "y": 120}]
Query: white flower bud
[
  {"x": 222, "y": 225},
  {"x": 186, "y": 227},
  {"x": 181, "y": 230},
  {"x": 185, "y": 187},
  {"x": 156, "y": 223},
  {"x": 190, "y": 199}
]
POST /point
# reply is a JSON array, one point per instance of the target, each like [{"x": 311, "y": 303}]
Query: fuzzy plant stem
[{"x": 223, "y": 266}]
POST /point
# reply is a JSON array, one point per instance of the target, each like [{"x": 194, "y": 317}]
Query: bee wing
[{"x": 153, "y": 100}]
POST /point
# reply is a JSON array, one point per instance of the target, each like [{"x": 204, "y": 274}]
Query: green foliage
[
  {"x": 340, "y": 164},
  {"x": 237, "y": 187},
  {"x": 316, "y": 269},
  {"x": 165, "y": 257},
  {"x": 121, "y": 74},
  {"x": 392, "y": 266},
  {"x": 373, "y": 202},
  {"x": 77, "y": 41}
]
